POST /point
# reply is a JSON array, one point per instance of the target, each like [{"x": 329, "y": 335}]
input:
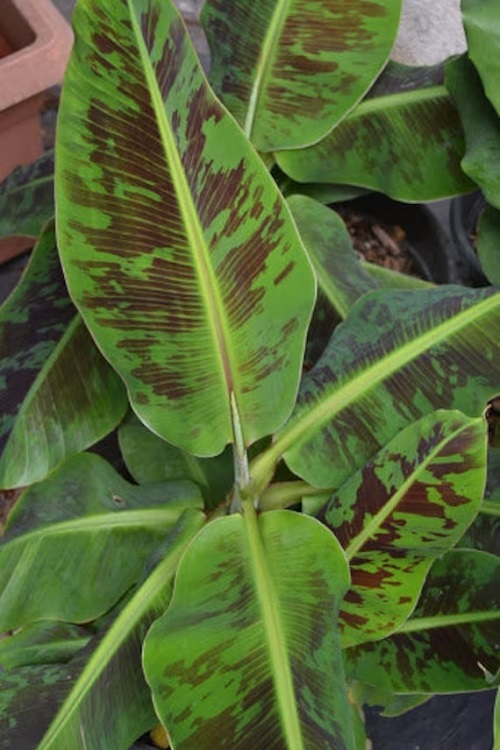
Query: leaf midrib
[
  {"x": 192, "y": 227},
  {"x": 379, "y": 518},
  {"x": 388, "y": 102},
  {"x": 262, "y": 67},
  {"x": 446, "y": 621},
  {"x": 313, "y": 420},
  {"x": 273, "y": 628},
  {"x": 104, "y": 521}
]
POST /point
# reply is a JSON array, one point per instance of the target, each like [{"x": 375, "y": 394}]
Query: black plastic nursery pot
[
  {"x": 465, "y": 212},
  {"x": 426, "y": 242}
]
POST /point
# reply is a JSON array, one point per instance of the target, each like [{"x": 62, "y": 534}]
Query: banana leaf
[
  {"x": 151, "y": 459},
  {"x": 397, "y": 356},
  {"x": 82, "y": 524},
  {"x": 481, "y": 20},
  {"x": 53, "y": 380},
  {"x": 481, "y": 126},
  {"x": 43, "y": 643},
  {"x": 101, "y": 699},
  {"x": 27, "y": 199},
  {"x": 341, "y": 277},
  {"x": 253, "y": 622},
  {"x": 182, "y": 258},
  {"x": 451, "y": 643},
  {"x": 488, "y": 243},
  {"x": 404, "y": 139},
  {"x": 407, "y": 506},
  {"x": 290, "y": 71}
]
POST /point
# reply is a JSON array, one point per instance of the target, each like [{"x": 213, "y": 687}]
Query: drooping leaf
[
  {"x": 57, "y": 393},
  {"x": 338, "y": 269},
  {"x": 109, "y": 704},
  {"x": 451, "y": 643},
  {"x": 290, "y": 71},
  {"x": 27, "y": 199},
  {"x": 83, "y": 524},
  {"x": 101, "y": 699},
  {"x": 177, "y": 246},
  {"x": 401, "y": 140},
  {"x": 151, "y": 459},
  {"x": 253, "y": 621},
  {"x": 488, "y": 243},
  {"x": 408, "y": 505},
  {"x": 481, "y": 126},
  {"x": 397, "y": 357},
  {"x": 42, "y": 643},
  {"x": 481, "y": 20}
]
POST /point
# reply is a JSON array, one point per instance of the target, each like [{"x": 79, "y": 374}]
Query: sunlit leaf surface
[{"x": 482, "y": 28}]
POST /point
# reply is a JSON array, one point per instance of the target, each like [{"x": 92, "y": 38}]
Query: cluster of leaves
[{"x": 285, "y": 543}]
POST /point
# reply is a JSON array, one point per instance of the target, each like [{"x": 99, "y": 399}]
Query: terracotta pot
[{"x": 35, "y": 42}]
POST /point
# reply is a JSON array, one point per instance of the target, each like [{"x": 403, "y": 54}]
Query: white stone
[{"x": 430, "y": 31}]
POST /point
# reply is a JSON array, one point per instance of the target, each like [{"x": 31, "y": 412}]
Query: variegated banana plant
[{"x": 281, "y": 542}]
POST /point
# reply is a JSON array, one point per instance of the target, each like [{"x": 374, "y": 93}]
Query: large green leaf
[
  {"x": 482, "y": 27},
  {"x": 452, "y": 641},
  {"x": 151, "y": 459},
  {"x": 400, "y": 140},
  {"x": 396, "y": 357},
  {"x": 177, "y": 246},
  {"x": 481, "y": 126},
  {"x": 57, "y": 393},
  {"x": 408, "y": 505},
  {"x": 83, "y": 535},
  {"x": 338, "y": 269},
  {"x": 253, "y": 622},
  {"x": 290, "y": 71},
  {"x": 101, "y": 699}
]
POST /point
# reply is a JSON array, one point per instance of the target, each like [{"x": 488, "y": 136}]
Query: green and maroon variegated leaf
[
  {"x": 151, "y": 459},
  {"x": 409, "y": 504},
  {"x": 451, "y": 643},
  {"x": 253, "y": 621},
  {"x": 27, "y": 199},
  {"x": 338, "y": 270},
  {"x": 177, "y": 246},
  {"x": 488, "y": 243},
  {"x": 57, "y": 393},
  {"x": 290, "y": 71},
  {"x": 109, "y": 704},
  {"x": 65, "y": 532},
  {"x": 482, "y": 28},
  {"x": 396, "y": 357},
  {"x": 28, "y": 697},
  {"x": 405, "y": 142},
  {"x": 481, "y": 126}
]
